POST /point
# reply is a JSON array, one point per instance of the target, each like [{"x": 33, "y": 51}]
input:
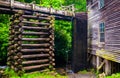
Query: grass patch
[
  {"x": 48, "y": 74},
  {"x": 89, "y": 71},
  {"x": 83, "y": 72},
  {"x": 117, "y": 75}
]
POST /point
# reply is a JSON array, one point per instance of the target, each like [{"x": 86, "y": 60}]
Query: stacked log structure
[
  {"x": 31, "y": 46},
  {"x": 14, "y": 50},
  {"x": 51, "y": 27}
]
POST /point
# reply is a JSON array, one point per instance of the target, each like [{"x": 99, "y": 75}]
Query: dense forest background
[{"x": 63, "y": 29}]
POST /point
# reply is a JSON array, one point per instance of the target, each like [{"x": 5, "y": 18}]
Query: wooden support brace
[
  {"x": 107, "y": 67},
  {"x": 89, "y": 57},
  {"x": 101, "y": 65}
]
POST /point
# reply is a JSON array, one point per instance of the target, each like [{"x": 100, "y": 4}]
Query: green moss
[{"x": 106, "y": 55}]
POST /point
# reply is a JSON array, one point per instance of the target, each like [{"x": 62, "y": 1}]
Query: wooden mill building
[{"x": 104, "y": 35}]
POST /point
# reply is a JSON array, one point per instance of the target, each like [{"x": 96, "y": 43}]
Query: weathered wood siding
[
  {"x": 110, "y": 15},
  {"x": 79, "y": 61}
]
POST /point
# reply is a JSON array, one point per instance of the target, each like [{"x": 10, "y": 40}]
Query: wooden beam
[
  {"x": 35, "y": 45},
  {"x": 35, "y": 17},
  {"x": 35, "y": 33},
  {"x": 101, "y": 65},
  {"x": 35, "y": 39},
  {"x": 107, "y": 67},
  {"x": 34, "y": 56},
  {"x": 89, "y": 57},
  {"x": 36, "y": 61},
  {"x": 35, "y": 67},
  {"x": 13, "y": 11},
  {"x": 37, "y": 23},
  {"x": 34, "y": 28},
  {"x": 34, "y": 50}
]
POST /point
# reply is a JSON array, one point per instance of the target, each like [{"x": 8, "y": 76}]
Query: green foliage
[
  {"x": 54, "y": 3},
  {"x": 20, "y": 0},
  {"x": 80, "y": 5},
  {"x": 4, "y": 30},
  {"x": 10, "y": 73},
  {"x": 47, "y": 74},
  {"x": 117, "y": 75},
  {"x": 83, "y": 72},
  {"x": 63, "y": 41}
]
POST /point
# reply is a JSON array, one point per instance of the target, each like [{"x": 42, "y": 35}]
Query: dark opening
[{"x": 63, "y": 43}]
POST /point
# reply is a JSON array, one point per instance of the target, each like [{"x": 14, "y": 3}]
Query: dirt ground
[
  {"x": 82, "y": 76},
  {"x": 70, "y": 74}
]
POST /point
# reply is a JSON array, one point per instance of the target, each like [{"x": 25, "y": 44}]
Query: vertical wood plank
[
  {"x": 107, "y": 67},
  {"x": 79, "y": 58},
  {"x": 98, "y": 62}
]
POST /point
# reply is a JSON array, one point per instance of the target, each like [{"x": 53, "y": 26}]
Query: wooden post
[
  {"x": 98, "y": 62},
  {"x": 107, "y": 67},
  {"x": 11, "y": 3},
  {"x": 94, "y": 61}
]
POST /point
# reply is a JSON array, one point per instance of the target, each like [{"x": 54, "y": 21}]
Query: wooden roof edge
[{"x": 34, "y": 7}]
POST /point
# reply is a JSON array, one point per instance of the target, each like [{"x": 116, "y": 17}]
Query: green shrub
[
  {"x": 63, "y": 41},
  {"x": 117, "y": 75},
  {"x": 4, "y": 30},
  {"x": 48, "y": 74}
]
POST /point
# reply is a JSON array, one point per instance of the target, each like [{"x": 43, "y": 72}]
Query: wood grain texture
[
  {"x": 110, "y": 15},
  {"x": 79, "y": 55}
]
